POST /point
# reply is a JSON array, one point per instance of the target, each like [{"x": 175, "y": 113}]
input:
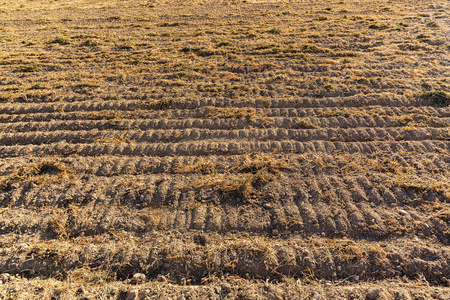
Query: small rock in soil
[
  {"x": 131, "y": 295},
  {"x": 5, "y": 277},
  {"x": 400, "y": 296},
  {"x": 373, "y": 294},
  {"x": 143, "y": 294},
  {"x": 138, "y": 278},
  {"x": 161, "y": 278},
  {"x": 267, "y": 205}
]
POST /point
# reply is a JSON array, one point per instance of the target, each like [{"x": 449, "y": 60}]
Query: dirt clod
[
  {"x": 143, "y": 294},
  {"x": 5, "y": 277},
  {"x": 138, "y": 278},
  {"x": 131, "y": 295},
  {"x": 373, "y": 294}
]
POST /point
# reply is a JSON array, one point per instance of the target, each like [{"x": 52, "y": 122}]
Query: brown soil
[{"x": 224, "y": 150}]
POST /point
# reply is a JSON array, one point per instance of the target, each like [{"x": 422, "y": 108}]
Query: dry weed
[
  {"x": 44, "y": 172},
  {"x": 202, "y": 166},
  {"x": 245, "y": 178}
]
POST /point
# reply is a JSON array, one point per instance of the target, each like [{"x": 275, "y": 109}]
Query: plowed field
[{"x": 224, "y": 149}]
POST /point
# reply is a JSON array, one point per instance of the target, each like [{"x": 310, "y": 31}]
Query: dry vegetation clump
[
  {"x": 60, "y": 40},
  {"x": 386, "y": 165},
  {"x": 28, "y": 68},
  {"x": 254, "y": 163},
  {"x": 420, "y": 120},
  {"x": 244, "y": 178},
  {"x": 424, "y": 184},
  {"x": 58, "y": 224},
  {"x": 443, "y": 214},
  {"x": 161, "y": 104},
  {"x": 437, "y": 98},
  {"x": 44, "y": 172},
  {"x": 353, "y": 112}
]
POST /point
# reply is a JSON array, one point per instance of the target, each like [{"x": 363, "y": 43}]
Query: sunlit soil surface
[{"x": 214, "y": 149}]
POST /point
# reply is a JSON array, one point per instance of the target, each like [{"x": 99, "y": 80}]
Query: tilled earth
[{"x": 224, "y": 149}]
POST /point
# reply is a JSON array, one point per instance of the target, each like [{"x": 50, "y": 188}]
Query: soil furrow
[
  {"x": 227, "y": 148},
  {"x": 304, "y": 209},
  {"x": 317, "y": 164},
  {"x": 423, "y": 112},
  {"x": 232, "y": 136},
  {"x": 229, "y": 123},
  {"x": 271, "y": 258},
  {"x": 30, "y": 108}
]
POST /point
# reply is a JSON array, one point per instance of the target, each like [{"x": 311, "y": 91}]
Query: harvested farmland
[{"x": 224, "y": 149}]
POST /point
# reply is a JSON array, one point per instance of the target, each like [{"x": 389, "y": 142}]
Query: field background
[{"x": 224, "y": 149}]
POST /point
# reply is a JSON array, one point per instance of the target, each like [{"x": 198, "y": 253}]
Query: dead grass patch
[
  {"x": 60, "y": 41},
  {"x": 443, "y": 214},
  {"x": 28, "y": 68},
  {"x": 116, "y": 138},
  {"x": 245, "y": 178},
  {"x": 202, "y": 166},
  {"x": 58, "y": 223},
  {"x": 419, "y": 120},
  {"x": 254, "y": 163},
  {"x": 45, "y": 172},
  {"x": 304, "y": 124},
  {"x": 161, "y": 104},
  {"x": 350, "y": 112},
  {"x": 386, "y": 165},
  {"x": 437, "y": 98},
  {"x": 422, "y": 184}
]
